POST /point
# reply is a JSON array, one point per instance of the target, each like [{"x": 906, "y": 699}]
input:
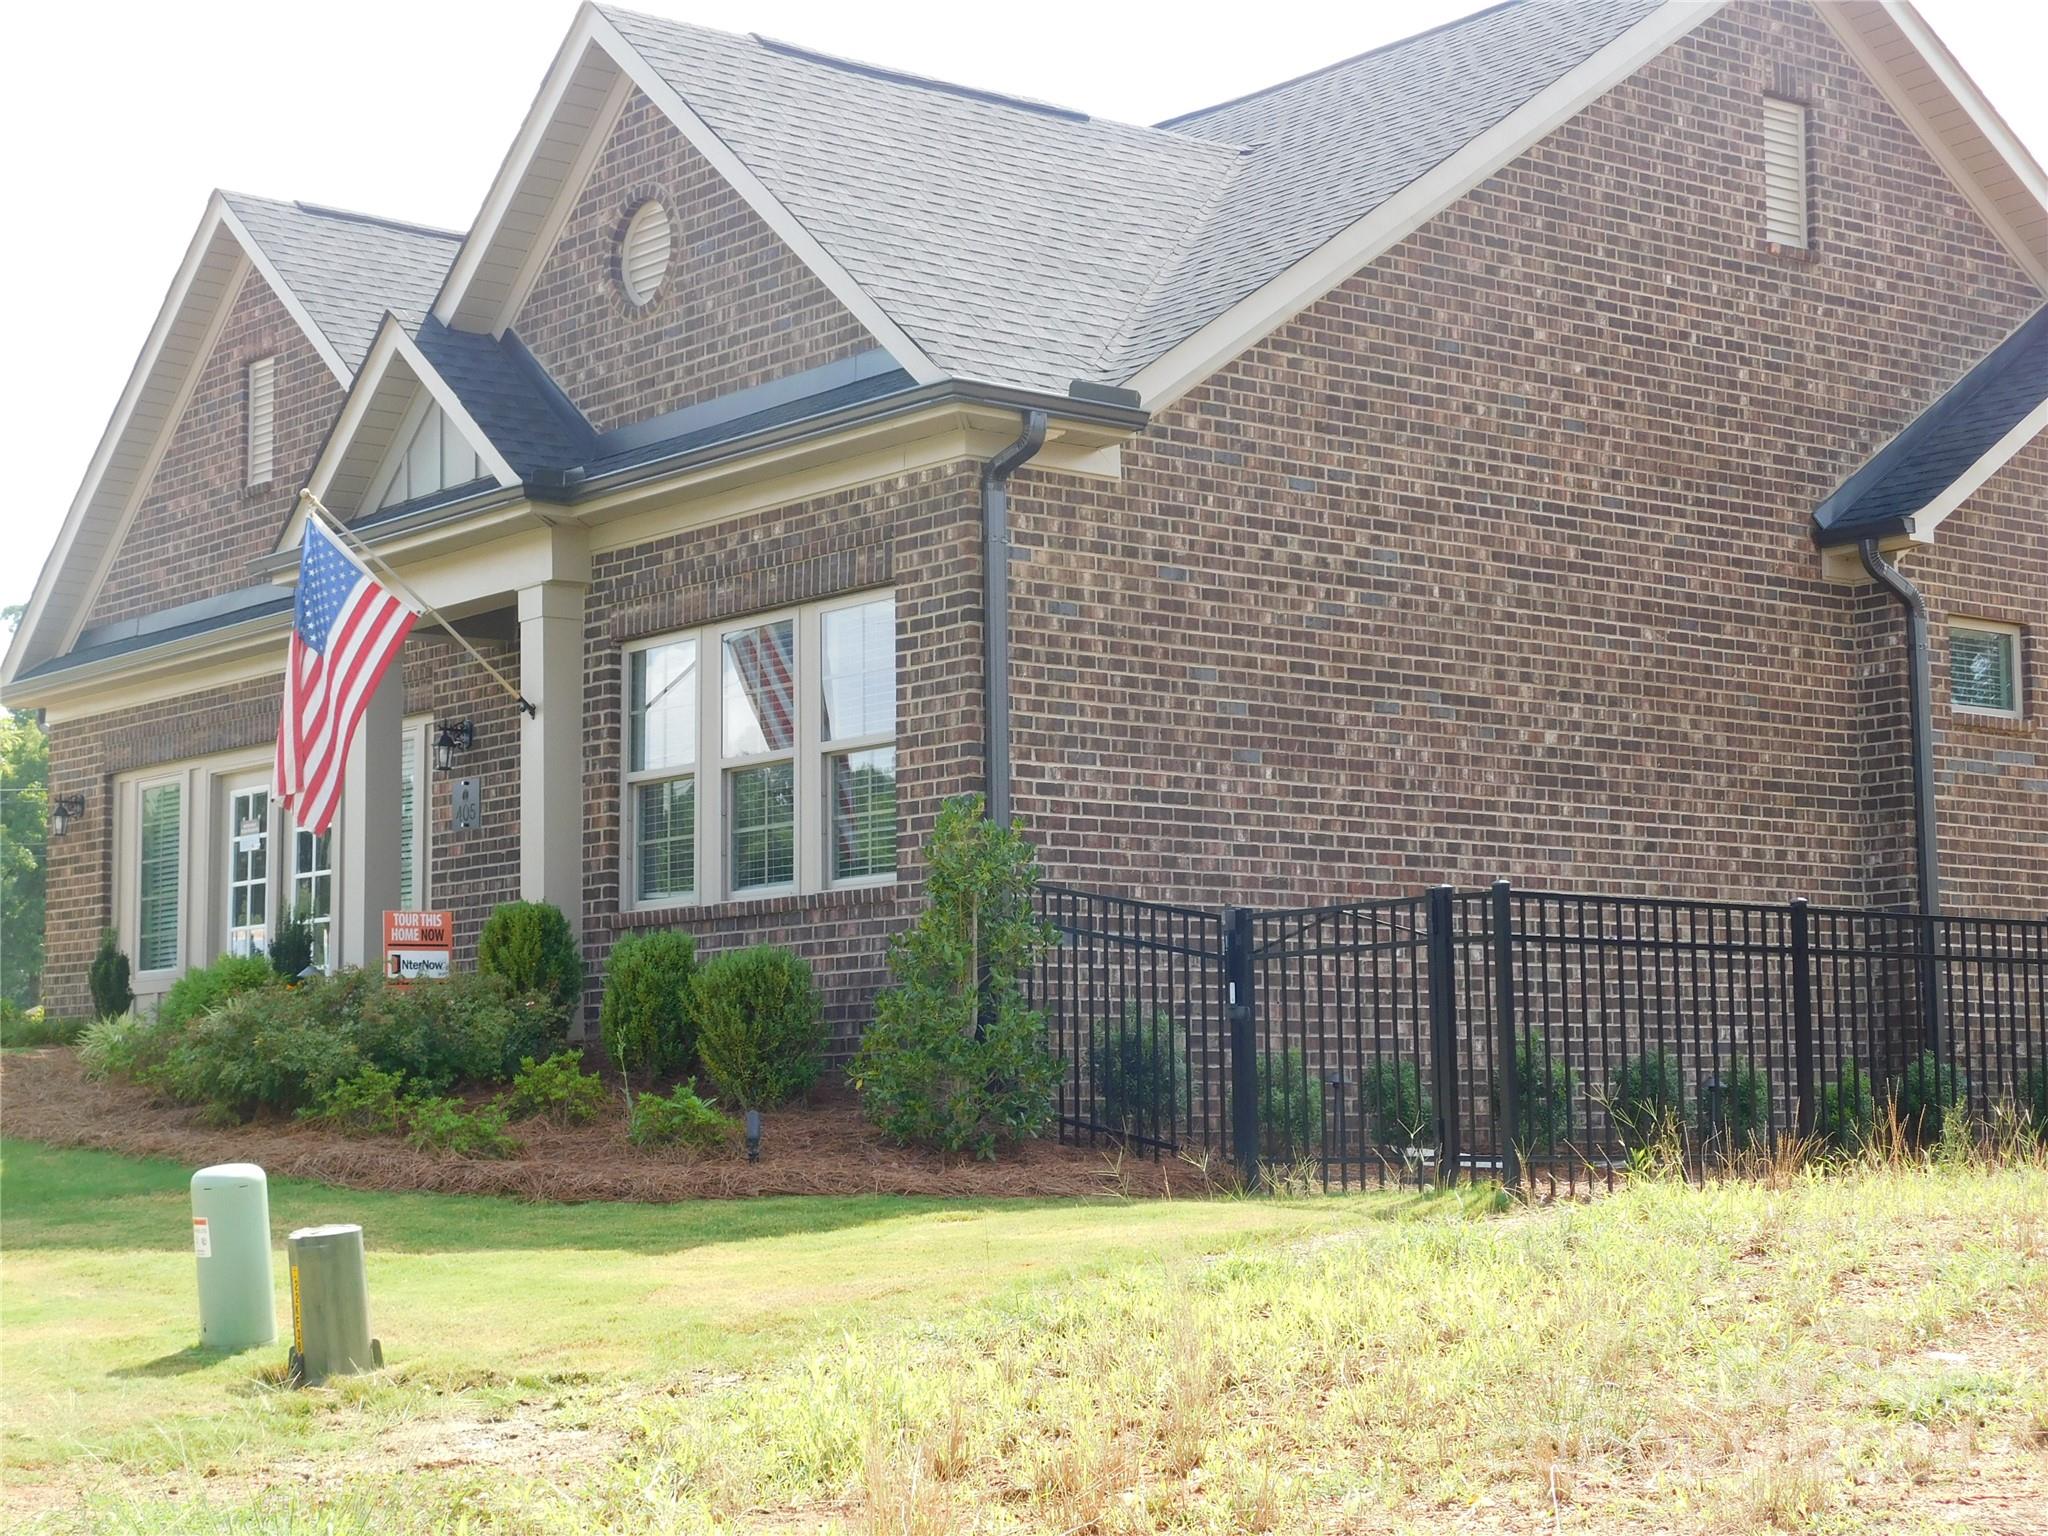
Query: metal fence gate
[{"x": 1524, "y": 1035}]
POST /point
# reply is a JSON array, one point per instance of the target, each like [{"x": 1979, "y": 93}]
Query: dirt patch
[{"x": 825, "y": 1148}]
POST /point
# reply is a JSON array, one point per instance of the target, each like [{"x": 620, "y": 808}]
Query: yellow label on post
[{"x": 298, "y": 1322}]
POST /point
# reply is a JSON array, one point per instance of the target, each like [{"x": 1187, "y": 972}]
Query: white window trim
[
  {"x": 2013, "y": 633},
  {"x": 827, "y": 749},
  {"x": 128, "y": 848},
  {"x": 228, "y": 786},
  {"x": 712, "y": 767},
  {"x": 419, "y": 737}
]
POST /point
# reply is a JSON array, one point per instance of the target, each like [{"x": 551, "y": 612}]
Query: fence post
[
  {"x": 1802, "y": 1013},
  {"x": 1240, "y": 989},
  {"x": 1509, "y": 1071},
  {"x": 1443, "y": 1031}
]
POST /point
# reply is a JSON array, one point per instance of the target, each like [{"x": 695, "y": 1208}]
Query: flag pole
[{"x": 333, "y": 525}]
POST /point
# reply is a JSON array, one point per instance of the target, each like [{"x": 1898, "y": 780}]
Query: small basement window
[
  {"x": 1784, "y": 131},
  {"x": 1984, "y": 668},
  {"x": 644, "y": 252}
]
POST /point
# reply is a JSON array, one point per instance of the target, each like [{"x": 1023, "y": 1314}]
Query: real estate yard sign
[{"x": 416, "y": 945}]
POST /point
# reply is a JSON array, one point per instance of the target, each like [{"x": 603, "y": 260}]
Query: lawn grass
[{"x": 1840, "y": 1354}]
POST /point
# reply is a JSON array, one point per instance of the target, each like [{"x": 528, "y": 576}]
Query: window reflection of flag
[{"x": 766, "y": 665}]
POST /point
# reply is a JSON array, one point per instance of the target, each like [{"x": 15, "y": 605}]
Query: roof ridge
[
  {"x": 345, "y": 215},
  {"x": 921, "y": 82},
  {"x": 1168, "y": 124}
]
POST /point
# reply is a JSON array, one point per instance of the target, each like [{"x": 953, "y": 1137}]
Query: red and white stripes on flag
[{"x": 346, "y": 630}]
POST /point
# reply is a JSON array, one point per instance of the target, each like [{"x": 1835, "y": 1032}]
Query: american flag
[{"x": 346, "y": 629}]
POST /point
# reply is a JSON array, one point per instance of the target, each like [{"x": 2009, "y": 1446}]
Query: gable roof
[
  {"x": 1950, "y": 449},
  {"x": 326, "y": 267},
  {"x": 348, "y": 269}
]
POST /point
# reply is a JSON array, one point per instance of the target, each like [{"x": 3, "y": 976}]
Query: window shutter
[
  {"x": 156, "y": 946},
  {"x": 408, "y": 824},
  {"x": 262, "y": 419},
  {"x": 1784, "y": 130}
]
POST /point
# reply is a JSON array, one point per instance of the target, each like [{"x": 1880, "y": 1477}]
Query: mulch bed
[{"x": 824, "y": 1148}]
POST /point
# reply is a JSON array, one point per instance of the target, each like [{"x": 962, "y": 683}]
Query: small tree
[
  {"x": 291, "y": 947},
  {"x": 108, "y": 978},
  {"x": 955, "y": 1059},
  {"x": 759, "y": 1024}
]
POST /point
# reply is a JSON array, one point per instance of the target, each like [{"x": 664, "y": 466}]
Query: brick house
[{"x": 1484, "y": 455}]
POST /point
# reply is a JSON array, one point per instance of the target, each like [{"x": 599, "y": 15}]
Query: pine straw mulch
[{"x": 822, "y": 1149}]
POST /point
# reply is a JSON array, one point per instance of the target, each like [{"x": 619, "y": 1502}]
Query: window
[
  {"x": 644, "y": 251},
  {"x": 436, "y": 457},
  {"x": 262, "y": 419},
  {"x": 1984, "y": 668},
  {"x": 313, "y": 887},
  {"x": 774, "y": 773},
  {"x": 1784, "y": 131},
  {"x": 248, "y": 866},
  {"x": 857, "y": 648},
  {"x": 160, "y": 870},
  {"x": 760, "y": 729},
  {"x": 661, "y": 771}
]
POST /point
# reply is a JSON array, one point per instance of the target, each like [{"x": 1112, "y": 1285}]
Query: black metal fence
[{"x": 1539, "y": 1035}]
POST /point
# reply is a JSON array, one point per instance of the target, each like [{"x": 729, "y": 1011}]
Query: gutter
[{"x": 995, "y": 609}]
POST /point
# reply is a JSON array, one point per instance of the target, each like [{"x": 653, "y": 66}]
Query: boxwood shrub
[
  {"x": 644, "y": 1019},
  {"x": 760, "y": 1030},
  {"x": 206, "y": 987},
  {"x": 1140, "y": 1072},
  {"x": 530, "y": 946}
]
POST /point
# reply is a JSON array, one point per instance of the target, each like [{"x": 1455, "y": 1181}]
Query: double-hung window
[{"x": 760, "y": 755}]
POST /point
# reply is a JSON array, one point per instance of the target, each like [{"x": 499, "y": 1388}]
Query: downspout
[
  {"x": 1920, "y": 707},
  {"x": 995, "y": 609}
]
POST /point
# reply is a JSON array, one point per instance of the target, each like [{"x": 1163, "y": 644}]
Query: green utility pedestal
[
  {"x": 330, "y": 1305},
  {"x": 231, "y": 1245}
]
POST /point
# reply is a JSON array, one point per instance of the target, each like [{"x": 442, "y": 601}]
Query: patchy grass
[{"x": 1858, "y": 1353}]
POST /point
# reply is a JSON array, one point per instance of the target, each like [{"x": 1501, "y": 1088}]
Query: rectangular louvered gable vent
[
  {"x": 1784, "y": 129},
  {"x": 262, "y": 419}
]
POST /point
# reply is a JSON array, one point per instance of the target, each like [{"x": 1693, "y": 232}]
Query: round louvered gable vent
[{"x": 644, "y": 251}]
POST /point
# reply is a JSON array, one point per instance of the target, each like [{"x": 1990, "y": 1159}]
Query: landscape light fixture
[
  {"x": 451, "y": 737},
  {"x": 64, "y": 809},
  {"x": 753, "y": 1135}
]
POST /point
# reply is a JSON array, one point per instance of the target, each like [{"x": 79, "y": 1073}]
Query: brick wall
[
  {"x": 917, "y": 532},
  {"x": 1496, "y": 559},
  {"x": 737, "y": 308},
  {"x": 201, "y": 523}
]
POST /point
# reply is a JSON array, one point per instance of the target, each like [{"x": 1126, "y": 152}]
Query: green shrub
[
  {"x": 1846, "y": 1111},
  {"x": 435, "y": 1124},
  {"x": 682, "y": 1119},
  {"x": 1140, "y": 1072},
  {"x": 644, "y": 1019},
  {"x": 25, "y": 1027},
  {"x": 1290, "y": 1107},
  {"x": 1647, "y": 1103},
  {"x": 1746, "y": 1104},
  {"x": 1925, "y": 1095},
  {"x": 107, "y": 977},
  {"x": 467, "y": 1029},
  {"x": 1401, "y": 1115},
  {"x": 268, "y": 1049},
  {"x": 206, "y": 987},
  {"x": 2033, "y": 1098},
  {"x": 760, "y": 1029},
  {"x": 1543, "y": 1100},
  {"x": 955, "y": 1060},
  {"x": 115, "y": 1047},
  {"x": 557, "y": 1090},
  {"x": 371, "y": 1103},
  {"x": 530, "y": 945},
  {"x": 291, "y": 945}
]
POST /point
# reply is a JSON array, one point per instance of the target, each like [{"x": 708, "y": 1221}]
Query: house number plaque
[{"x": 467, "y": 804}]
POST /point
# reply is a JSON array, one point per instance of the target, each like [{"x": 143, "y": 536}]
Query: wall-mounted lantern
[
  {"x": 451, "y": 737},
  {"x": 65, "y": 809}
]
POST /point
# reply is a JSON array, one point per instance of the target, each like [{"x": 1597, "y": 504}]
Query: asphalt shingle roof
[
  {"x": 507, "y": 399},
  {"x": 347, "y": 269},
  {"x": 1021, "y": 244},
  {"x": 1944, "y": 441}
]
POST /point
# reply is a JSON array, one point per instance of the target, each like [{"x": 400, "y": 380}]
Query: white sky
[{"x": 293, "y": 100}]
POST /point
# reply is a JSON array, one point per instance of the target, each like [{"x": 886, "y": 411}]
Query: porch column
[
  {"x": 551, "y": 747},
  {"x": 366, "y": 867}
]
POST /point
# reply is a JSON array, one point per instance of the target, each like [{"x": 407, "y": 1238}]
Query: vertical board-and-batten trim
[
  {"x": 1784, "y": 136},
  {"x": 262, "y": 420}
]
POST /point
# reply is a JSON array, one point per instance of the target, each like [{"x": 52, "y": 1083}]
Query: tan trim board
[{"x": 1967, "y": 484}]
